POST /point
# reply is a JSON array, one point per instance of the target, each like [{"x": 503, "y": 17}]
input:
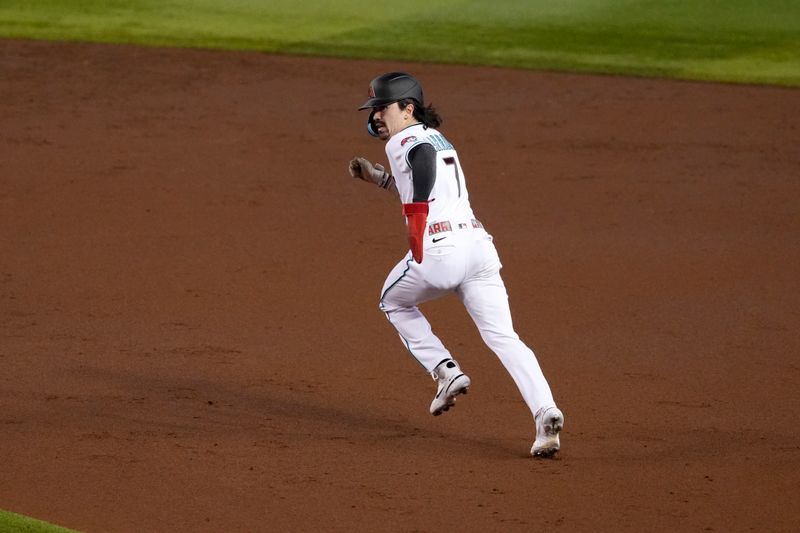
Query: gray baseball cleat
[
  {"x": 451, "y": 382},
  {"x": 549, "y": 422}
]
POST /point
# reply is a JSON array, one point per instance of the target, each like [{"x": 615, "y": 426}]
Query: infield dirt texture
[{"x": 189, "y": 281}]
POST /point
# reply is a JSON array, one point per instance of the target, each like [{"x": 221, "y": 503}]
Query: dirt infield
[{"x": 189, "y": 332}]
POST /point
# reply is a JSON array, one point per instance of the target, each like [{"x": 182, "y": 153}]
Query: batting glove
[{"x": 374, "y": 173}]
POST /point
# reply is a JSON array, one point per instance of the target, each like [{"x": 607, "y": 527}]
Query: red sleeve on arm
[{"x": 417, "y": 217}]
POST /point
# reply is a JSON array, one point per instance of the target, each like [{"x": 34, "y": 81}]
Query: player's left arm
[{"x": 422, "y": 160}]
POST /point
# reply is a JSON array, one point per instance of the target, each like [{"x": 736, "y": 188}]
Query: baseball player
[{"x": 449, "y": 251}]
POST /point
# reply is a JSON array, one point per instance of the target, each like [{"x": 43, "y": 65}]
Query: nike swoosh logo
[{"x": 439, "y": 239}]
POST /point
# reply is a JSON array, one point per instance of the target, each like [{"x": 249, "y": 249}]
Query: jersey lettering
[{"x": 440, "y": 143}]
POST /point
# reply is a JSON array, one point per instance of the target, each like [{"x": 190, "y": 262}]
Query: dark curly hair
[{"x": 425, "y": 114}]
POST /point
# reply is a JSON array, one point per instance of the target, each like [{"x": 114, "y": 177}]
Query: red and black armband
[{"x": 416, "y": 214}]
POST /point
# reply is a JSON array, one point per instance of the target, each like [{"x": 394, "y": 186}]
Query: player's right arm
[{"x": 365, "y": 170}]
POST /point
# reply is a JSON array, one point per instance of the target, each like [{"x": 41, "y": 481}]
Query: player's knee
[
  {"x": 391, "y": 308},
  {"x": 384, "y": 306},
  {"x": 388, "y": 308}
]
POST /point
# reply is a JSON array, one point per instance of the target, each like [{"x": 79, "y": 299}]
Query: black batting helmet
[{"x": 391, "y": 87}]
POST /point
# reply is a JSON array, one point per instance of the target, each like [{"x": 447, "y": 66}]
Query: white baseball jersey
[{"x": 449, "y": 199}]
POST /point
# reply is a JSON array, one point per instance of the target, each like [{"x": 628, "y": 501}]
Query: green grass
[
  {"x": 746, "y": 41},
  {"x": 14, "y": 523}
]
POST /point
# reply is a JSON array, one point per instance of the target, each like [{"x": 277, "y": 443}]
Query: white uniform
[{"x": 459, "y": 256}]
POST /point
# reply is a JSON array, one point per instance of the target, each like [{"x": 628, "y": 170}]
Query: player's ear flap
[{"x": 371, "y": 127}]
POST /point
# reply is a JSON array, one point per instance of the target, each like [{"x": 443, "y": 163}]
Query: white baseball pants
[{"x": 467, "y": 263}]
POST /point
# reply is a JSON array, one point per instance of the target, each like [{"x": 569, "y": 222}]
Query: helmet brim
[{"x": 376, "y": 102}]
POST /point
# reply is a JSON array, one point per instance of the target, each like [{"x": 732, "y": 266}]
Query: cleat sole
[
  {"x": 451, "y": 400},
  {"x": 546, "y": 454}
]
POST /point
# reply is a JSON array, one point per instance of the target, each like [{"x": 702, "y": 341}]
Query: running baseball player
[{"x": 449, "y": 251}]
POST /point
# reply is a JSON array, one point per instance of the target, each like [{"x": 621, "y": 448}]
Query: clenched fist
[{"x": 363, "y": 169}]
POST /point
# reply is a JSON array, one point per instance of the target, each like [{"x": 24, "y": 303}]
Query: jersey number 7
[{"x": 452, "y": 161}]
